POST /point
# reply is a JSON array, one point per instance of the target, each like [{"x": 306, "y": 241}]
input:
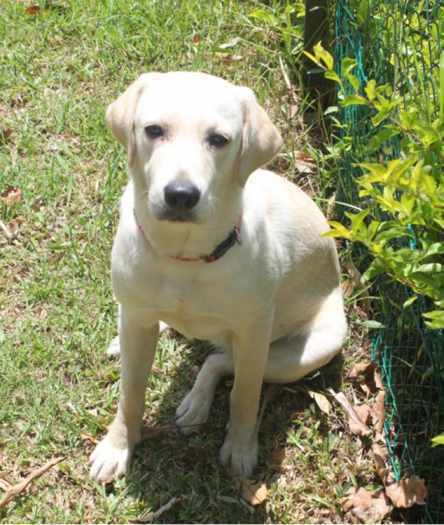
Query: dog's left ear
[{"x": 260, "y": 138}]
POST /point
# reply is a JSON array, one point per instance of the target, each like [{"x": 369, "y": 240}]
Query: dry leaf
[
  {"x": 253, "y": 493},
  {"x": 293, "y": 110},
  {"x": 196, "y": 39},
  {"x": 227, "y": 58},
  {"x": 231, "y": 43},
  {"x": 359, "y": 369},
  {"x": 304, "y": 163},
  {"x": 378, "y": 380},
  {"x": 32, "y": 9},
  {"x": 5, "y": 133},
  {"x": 322, "y": 402},
  {"x": 356, "y": 425},
  {"x": 407, "y": 492},
  {"x": 366, "y": 507},
  {"x": 367, "y": 376},
  {"x": 89, "y": 438},
  {"x": 380, "y": 455},
  {"x": 12, "y": 195},
  {"x": 378, "y": 411},
  {"x": 358, "y": 422},
  {"x": 277, "y": 457}
]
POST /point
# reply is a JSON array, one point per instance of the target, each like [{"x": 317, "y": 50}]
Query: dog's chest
[
  {"x": 198, "y": 304},
  {"x": 194, "y": 308}
]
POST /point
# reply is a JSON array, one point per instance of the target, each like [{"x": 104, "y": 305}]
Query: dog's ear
[
  {"x": 260, "y": 138},
  {"x": 120, "y": 113}
]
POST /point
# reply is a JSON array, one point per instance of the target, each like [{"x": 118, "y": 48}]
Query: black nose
[{"x": 181, "y": 195}]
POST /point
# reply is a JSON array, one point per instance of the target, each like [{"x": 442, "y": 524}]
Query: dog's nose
[{"x": 181, "y": 195}]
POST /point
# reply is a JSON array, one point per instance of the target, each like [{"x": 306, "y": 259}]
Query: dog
[{"x": 219, "y": 250}]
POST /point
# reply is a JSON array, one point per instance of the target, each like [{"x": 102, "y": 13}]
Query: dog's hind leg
[
  {"x": 289, "y": 359},
  {"x": 195, "y": 407},
  {"x": 295, "y": 356}
]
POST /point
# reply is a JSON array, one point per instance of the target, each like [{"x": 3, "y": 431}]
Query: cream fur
[{"x": 273, "y": 304}]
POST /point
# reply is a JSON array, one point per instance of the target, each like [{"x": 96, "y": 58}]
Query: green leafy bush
[{"x": 402, "y": 217}]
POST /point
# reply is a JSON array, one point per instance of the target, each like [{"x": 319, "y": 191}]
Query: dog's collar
[{"x": 218, "y": 252}]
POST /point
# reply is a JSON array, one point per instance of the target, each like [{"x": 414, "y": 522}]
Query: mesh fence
[{"x": 399, "y": 42}]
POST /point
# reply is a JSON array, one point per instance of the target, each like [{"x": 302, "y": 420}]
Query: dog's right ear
[{"x": 120, "y": 113}]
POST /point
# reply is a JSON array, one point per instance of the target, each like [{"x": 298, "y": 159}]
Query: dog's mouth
[{"x": 176, "y": 216}]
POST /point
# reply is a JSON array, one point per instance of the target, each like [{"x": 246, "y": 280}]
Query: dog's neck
[{"x": 188, "y": 239}]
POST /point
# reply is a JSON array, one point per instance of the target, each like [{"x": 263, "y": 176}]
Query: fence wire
[{"x": 399, "y": 42}]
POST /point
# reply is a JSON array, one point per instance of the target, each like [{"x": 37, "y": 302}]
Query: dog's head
[{"x": 190, "y": 137}]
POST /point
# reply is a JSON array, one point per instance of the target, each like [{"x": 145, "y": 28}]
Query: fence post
[{"x": 317, "y": 28}]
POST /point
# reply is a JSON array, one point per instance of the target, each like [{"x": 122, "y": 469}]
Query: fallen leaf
[
  {"x": 304, "y": 163},
  {"x": 359, "y": 369},
  {"x": 407, "y": 492},
  {"x": 5, "y": 133},
  {"x": 378, "y": 411},
  {"x": 12, "y": 195},
  {"x": 231, "y": 43},
  {"x": 227, "y": 57},
  {"x": 367, "y": 376},
  {"x": 359, "y": 425},
  {"x": 367, "y": 507},
  {"x": 253, "y": 493},
  {"x": 89, "y": 438},
  {"x": 17, "y": 489},
  {"x": 378, "y": 380},
  {"x": 293, "y": 110},
  {"x": 380, "y": 455},
  {"x": 32, "y": 9},
  {"x": 322, "y": 402},
  {"x": 277, "y": 457},
  {"x": 196, "y": 39}
]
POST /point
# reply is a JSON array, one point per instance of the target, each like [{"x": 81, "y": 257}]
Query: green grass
[{"x": 60, "y": 67}]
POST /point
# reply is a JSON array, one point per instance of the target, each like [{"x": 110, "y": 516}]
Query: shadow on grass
[{"x": 186, "y": 469}]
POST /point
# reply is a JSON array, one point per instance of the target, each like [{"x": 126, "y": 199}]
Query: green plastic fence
[{"x": 399, "y": 42}]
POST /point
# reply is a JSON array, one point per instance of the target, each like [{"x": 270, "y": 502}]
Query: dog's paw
[
  {"x": 240, "y": 458},
  {"x": 109, "y": 462},
  {"x": 193, "y": 411},
  {"x": 113, "y": 349}
]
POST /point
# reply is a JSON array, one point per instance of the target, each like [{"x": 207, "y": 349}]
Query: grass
[{"x": 62, "y": 63}]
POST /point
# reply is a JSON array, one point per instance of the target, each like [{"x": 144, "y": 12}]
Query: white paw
[
  {"x": 193, "y": 411},
  {"x": 109, "y": 462},
  {"x": 113, "y": 349},
  {"x": 239, "y": 457}
]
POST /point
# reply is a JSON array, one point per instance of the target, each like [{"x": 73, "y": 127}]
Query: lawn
[{"x": 61, "y": 176}]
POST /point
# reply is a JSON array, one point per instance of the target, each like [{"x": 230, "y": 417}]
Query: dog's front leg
[
  {"x": 112, "y": 456},
  {"x": 250, "y": 353}
]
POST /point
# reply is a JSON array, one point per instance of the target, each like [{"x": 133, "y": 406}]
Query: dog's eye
[
  {"x": 217, "y": 140},
  {"x": 154, "y": 131}
]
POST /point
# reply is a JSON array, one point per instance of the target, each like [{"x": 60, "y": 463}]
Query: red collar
[{"x": 221, "y": 249}]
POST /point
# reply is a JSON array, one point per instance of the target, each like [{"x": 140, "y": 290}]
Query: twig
[
  {"x": 150, "y": 517},
  {"x": 17, "y": 489},
  {"x": 287, "y": 81}
]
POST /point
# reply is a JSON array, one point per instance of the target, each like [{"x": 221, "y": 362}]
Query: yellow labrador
[{"x": 219, "y": 250}]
